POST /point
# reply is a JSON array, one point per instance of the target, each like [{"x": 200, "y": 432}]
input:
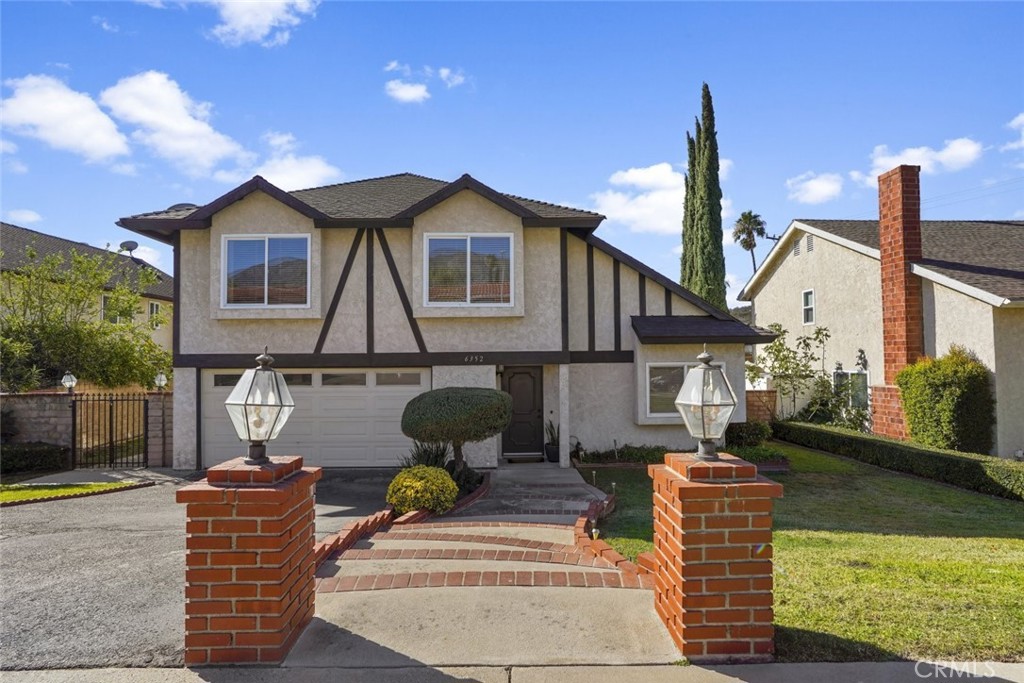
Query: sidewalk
[{"x": 860, "y": 672}]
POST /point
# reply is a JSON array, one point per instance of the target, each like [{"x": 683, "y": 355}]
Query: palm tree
[{"x": 749, "y": 226}]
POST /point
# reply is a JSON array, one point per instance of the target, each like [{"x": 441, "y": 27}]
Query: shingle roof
[
  {"x": 696, "y": 329},
  {"x": 386, "y": 197},
  {"x": 14, "y": 240},
  {"x": 987, "y": 255}
]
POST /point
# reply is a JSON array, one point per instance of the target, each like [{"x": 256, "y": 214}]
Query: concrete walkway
[{"x": 858, "y": 672}]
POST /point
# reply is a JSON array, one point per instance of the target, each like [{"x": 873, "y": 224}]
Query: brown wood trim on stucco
[
  {"x": 336, "y": 299},
  {"x": 397, "y": 279}
]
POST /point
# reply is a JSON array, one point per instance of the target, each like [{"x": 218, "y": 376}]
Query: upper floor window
[
  {"x": 468, "y": 270},
  {"x": 154, "y": 312},
  {"x": 808, "y": 306},
  {"x": 270, "y": 271}
]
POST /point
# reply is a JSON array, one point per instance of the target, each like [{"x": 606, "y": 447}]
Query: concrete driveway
[{"x": 99, "y": 581}]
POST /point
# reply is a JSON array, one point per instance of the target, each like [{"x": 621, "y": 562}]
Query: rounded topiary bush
[
  {"x": 422, "y": 487},
  {"x": 457, "y": 415}
]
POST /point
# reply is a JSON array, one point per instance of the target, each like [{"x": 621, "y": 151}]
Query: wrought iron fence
[{"x": 109, "y": 430}]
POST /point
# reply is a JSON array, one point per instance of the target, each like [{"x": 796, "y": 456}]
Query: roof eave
[
  {"x": 708, "y": 339},
  {"x": 969, "y": 290},
  {"x": 466, "y": 182}
]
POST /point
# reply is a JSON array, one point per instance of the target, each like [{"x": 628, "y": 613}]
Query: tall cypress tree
[{"x": 703, "y": 261}]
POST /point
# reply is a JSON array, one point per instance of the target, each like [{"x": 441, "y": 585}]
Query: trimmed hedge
[
  {"x": 422, "y": 487},
  {"x": 982, "y": 473},
  {"x": 750, "y": 433},
  {"x": 457, "y": 415},
  {"x": 948, "y": 402},
  {"x": 30, "y": 457}
]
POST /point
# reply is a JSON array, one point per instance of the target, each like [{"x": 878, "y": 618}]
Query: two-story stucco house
[
  {"x": 156, "y": 300},
  {"x": 900, "y": 288},
  {"x": 370, "y": 292}
]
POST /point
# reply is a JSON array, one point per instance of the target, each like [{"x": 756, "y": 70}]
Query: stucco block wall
[
  {"x": 184, "y": 428},
  {"x": 483, "y": 454},
  {"x": 848, "y": 301},
  {"x": 1009, "y": 366},
  {"x": 40, "y": 417}
]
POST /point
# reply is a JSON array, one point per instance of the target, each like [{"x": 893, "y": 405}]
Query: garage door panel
[{"x": 332, "y": 425}]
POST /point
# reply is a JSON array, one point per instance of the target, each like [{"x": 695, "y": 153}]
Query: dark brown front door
[{"x": 525, "y": 434}]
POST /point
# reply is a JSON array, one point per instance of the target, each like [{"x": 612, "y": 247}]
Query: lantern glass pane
[
  {"x": 237, "y": 415},
  {"x": 706, "y": 402},
  {"x": 241, "y": 391},
  {"x": 260, "y": 420}
]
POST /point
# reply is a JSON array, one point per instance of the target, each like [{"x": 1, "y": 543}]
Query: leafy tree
[
  {"x": 457, "y": 415},
  {"x": 52, "y": 320},
  {"x": 792, "y": 369},
  {"x": 703, "y": 260},
  {"x": 746, "y": 231}
]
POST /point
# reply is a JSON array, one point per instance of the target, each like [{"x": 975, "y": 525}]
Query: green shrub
[
  {"x": 982, "y": 473},
  {"x": 750, "y": 433},
  {"x": 30, "y": 457},
  {"x": 427, "y": 453},
  {"x": 457, "y": 415},
  {"x": 759, "y": 454},
  {"x": 948, "y": 402},
  {"x": 422, "y": 487},
  {"x": 630, "y": 453}
]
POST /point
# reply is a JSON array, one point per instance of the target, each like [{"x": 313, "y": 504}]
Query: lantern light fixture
[
  {"x": 259, "y": 406},
  {"x": 706, "y": 402},
  {"x": 69, "y": 381}
]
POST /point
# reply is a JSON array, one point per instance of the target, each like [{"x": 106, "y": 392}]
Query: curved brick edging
[
  {"x": 81, "y": 494},
  {"x": 534, "y": 579},
  {"x": 482, "y": 490},
  {"x": 468, "y": 523},
  {"x": 596, "y": 547},
  {"x": 472, "y": 554},
  {"x": 349, "y": 534}
]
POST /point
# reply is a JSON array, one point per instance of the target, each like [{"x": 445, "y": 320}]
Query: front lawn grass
[
  {"x": 873, "y": 565},
  {"x": 24, "y": 492}
]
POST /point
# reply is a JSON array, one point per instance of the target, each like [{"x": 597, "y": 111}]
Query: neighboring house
[
  {"x": 901, "y": 288},
  {"x": 371, "y": 292},
  {"x": 157, "y": 299}
]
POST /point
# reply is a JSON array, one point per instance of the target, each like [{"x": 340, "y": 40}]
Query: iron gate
[{"x": 109, "y": 430}]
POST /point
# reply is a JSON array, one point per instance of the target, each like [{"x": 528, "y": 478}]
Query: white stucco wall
[
  {"x": 1009, "y": 367},
  {"x": 954, "y": 318},
  {"x": 483, "y": 454},
  {"x": 848, "y": 301},
  {"x": 184, "y": 430}
]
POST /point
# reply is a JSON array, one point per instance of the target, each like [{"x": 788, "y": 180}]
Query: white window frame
[
  {"x": 687, "y": 366},
  {"x": 804, "y": 308},
  {"x": 154, "y": 314},
  {"x": 266, "y": 237},
  {"x": 867, "y": 383},
  {"x": 467, "y": 304}
]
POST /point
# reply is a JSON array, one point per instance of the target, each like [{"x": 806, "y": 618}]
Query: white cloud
[
  {"x": 106, "y": 25},
  {"x": 15, "y": 166},
  {"x": 171, "y": 124},
  {"x": 727, "y": 213},
  {"x": 7, "y": 147},
  {"x": 733, "y": 286},
  {"x": 651, "y": 200},
  {"x": 451, "y": 78},
  {"x": 1016, "y": 124},
  {"x": 267, "y": 22},
  {"x": 815, "y": 188},
  {"x": 404, "y": 92},
  {"x": 395, "y": 65},
  {"x": 291, "y": 172},
  {"x": 148, "y": 254},
  {"x": 957, "y": 155},
  {"x": 23, "y": 216},
  {"x": 724, "y": 168},
  {"x": 46, "y": 109},
  {"x": 156, "y": 4}
]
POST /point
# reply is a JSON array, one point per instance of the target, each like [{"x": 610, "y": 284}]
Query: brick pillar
[
  {"x": 899, "y": 241},
  {"x": 712, "y": 557},
  {"x": 249, "y": 562},
  {"x": 160, "y": 449}
]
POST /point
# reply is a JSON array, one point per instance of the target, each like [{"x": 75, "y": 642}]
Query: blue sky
[{"x": 111, "y": 109}]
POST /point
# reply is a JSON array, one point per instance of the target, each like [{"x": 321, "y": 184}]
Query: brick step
[
  {"x": 551, "y": 533},
  {"x": 473, "y": 555},
  {"x": 369, "y": 567},
  {"x": 430, "y": 538},
  {"x": 456, "y": 579}
]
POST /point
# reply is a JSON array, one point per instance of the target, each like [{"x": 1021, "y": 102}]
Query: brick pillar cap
[
  {"x": 728, "y": 467},
  {"x": 235, "y": 471}
]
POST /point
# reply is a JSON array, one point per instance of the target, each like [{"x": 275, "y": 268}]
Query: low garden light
[
  {"x": 160, "y": 381},
  {"x": 259, "y": 406},
  {"x": 706, "y": 402},
  {"x": 69, "y": 381}
]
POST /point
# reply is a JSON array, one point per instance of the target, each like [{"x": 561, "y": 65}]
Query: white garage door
[{"x": 342, "y": 418}]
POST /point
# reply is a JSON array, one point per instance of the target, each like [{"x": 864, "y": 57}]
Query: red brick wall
[
  {"x": 887, "y": 413},
  {"x": 712, "y": 557},
  {"x": 899, "y": 233},
  {"x": 249, "y": 585},
  {"x": 761, "y": 404}
]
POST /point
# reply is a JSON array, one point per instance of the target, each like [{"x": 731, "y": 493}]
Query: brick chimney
[{"x": 899, "y": 238}]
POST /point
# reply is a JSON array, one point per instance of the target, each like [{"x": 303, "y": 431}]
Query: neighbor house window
[
  {"x": 267, "y": 271},
  {"x": 154, "y": 312},
  {"x": 107, "y": 313},
  {"x": 808, "y": 306},
  {"x": 663, "y": 383},
  {"x": 468, "y": 270},
  {"x": 858, "y": 382}
]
